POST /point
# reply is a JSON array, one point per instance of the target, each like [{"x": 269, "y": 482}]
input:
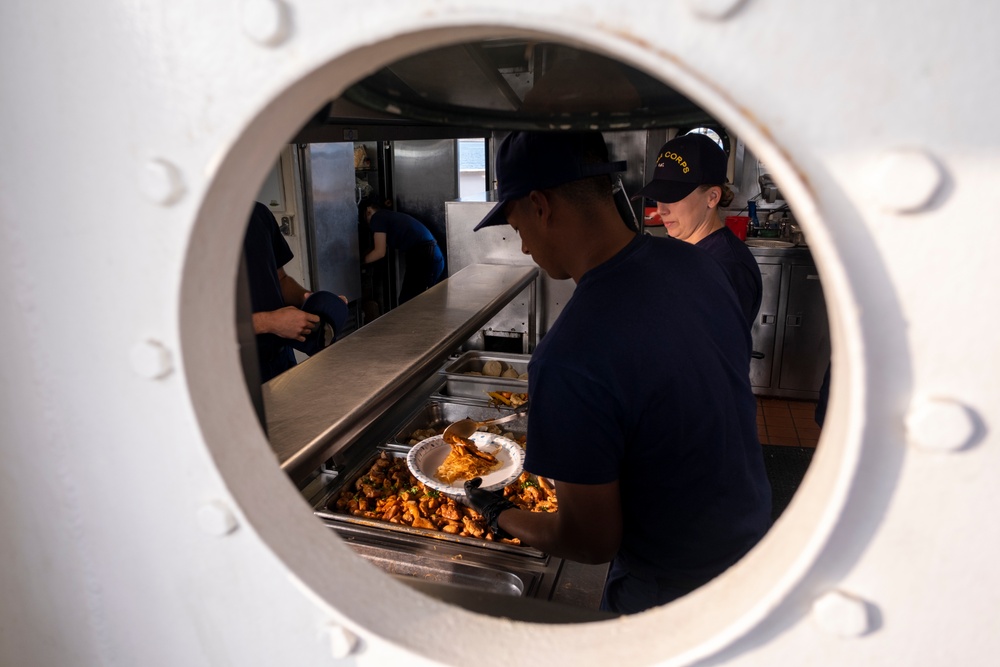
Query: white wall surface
[{"x": 143, "y": 518}]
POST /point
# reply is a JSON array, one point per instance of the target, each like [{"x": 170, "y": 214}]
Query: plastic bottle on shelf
[{"x": 754, "y": 222}]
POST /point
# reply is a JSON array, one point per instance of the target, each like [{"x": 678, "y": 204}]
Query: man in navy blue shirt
[
  {"x": 399, "y": 231},
  {"x": 642, "y": 411},
  {"x": 285, "y": 315}
]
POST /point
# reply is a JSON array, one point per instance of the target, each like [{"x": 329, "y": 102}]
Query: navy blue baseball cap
[
  {"x": 529, "y": 161},
  {"x": 682, "y": 165},
  {"x": 332, "y": 313}
]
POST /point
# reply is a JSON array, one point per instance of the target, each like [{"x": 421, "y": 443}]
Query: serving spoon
[{"x": 463, "y": 429}]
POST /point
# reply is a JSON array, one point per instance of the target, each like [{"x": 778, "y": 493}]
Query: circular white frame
[{"x": 700, "y": 624}]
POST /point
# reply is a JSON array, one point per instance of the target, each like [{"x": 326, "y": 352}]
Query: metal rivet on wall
[
  {"x": 266, "y": 22},
  {"x": 713, "y": 9},
  {"x": 151, "y": 359},
  {"x": 939, "y": 425},
  {"x": 841, "y": 614},
  {"x": 906, "y": 180},
  {"x": 215, "y": 518},
  {"x": 343, "y": 642},
  {"x": 161, "y": 182}
]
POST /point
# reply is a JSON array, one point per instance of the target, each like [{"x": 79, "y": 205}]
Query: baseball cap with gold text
[{"x": 683, "y": 164}]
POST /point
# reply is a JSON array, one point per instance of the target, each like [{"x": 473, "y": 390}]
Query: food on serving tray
[
  {"x": 421, "y": 434},
  {"x": 465, "y": 461},
  {"x": 507, "y": 398},
  {"x": 389, "y": 492},
  {"x": 535, "y": 494},
  {"x": 492, "y": 368},
  {"x": 496, "y": 368}
]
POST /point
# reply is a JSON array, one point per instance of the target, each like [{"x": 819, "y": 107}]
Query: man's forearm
[
  {"x": 262, "y": 323},
  {"x": 293, "y": 293}
]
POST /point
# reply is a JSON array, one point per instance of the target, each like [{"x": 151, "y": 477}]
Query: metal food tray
[
  {"x": 437, "y": 414},
  {"x": 473, "y": 360},
  {"x": 473, "y": 388},
  {"x": 347, "y": 477},
  {"x": 410, "y": 563}
]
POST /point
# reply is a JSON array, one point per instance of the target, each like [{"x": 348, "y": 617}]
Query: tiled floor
[{"x": 786, "y": 422}]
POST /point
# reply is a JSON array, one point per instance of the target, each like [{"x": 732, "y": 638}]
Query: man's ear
[{"x": 541, "y": 205}]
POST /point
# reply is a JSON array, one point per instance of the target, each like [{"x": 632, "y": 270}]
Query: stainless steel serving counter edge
[{"x": 333, "y": 396}]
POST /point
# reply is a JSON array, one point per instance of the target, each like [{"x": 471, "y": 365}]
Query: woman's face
[{"x": 692, "y": 218}]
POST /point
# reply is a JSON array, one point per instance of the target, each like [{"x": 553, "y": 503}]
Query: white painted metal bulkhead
[{"x": 145, "y": 519}]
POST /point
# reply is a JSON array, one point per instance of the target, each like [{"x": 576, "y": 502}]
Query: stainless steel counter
[
  {"x": 326, "y": 402},
  {"x": 796, "y": 252}
]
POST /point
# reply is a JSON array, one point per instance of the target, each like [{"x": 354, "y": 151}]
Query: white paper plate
[{"x": 427, "y": 455}]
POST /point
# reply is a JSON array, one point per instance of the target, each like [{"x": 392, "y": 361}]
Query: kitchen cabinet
[
  {"x": 765, "y": 327},
  {"x": 791, "y": 336}
]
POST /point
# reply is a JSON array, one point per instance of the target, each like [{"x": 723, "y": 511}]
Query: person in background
[
  {"x": 650, "y": 438},
  {"x": 399, "y": 231},
  {"x": 281, "y": 317},
  {"x": 689, "y": 187}
]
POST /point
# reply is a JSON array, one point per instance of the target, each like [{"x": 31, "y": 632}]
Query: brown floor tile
[
  {"x": 786, "y": 422},
  {"x": 773, "y": 401}
]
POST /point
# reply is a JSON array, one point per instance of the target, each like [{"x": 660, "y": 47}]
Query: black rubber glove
[{"x": 487, "y": 503}]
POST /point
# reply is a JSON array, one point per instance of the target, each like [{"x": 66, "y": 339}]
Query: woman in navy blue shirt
[{"x": 688, "y": 187}]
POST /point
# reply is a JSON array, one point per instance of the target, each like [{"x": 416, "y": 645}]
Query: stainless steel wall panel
[
  {"x": 500, "y": 245},
  {"x": 332, "y": 217},
  {"x": 425, "y": 176}
]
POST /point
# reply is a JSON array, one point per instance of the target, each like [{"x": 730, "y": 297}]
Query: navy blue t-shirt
[
  {"x": 266, "y": 251},
  {"x": 740, "y": 266},
  {"x": 401, "y": 231},
  {"x": 644, "y": 379}
]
